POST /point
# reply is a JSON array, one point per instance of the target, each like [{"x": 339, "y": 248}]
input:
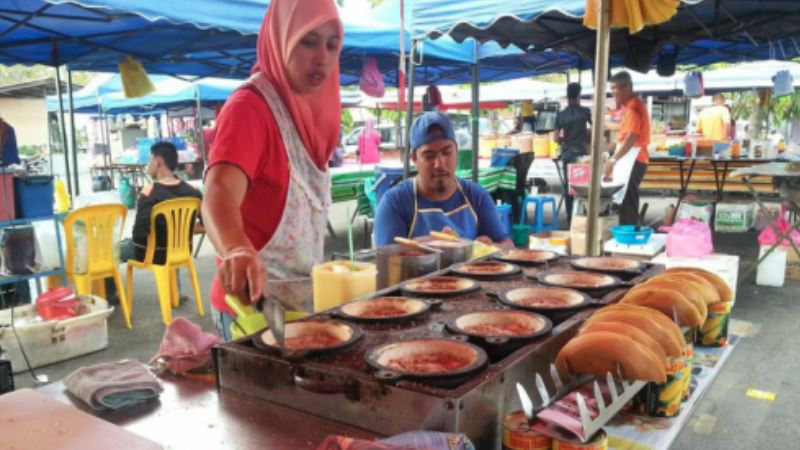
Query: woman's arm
[{"x": 241, "y": 271}]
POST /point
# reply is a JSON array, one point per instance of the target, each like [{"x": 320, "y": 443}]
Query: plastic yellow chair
[
  {"x": 180, "y": 215},
  {"x": 99, "y": 222}
]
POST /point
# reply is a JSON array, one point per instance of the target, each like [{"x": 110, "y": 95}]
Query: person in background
[
  {"x": 435, "y": 200},
  {"x": 369, "y": 141},
  {"x": 267, "y": 186},
  {"x": 572, "y": 133},
  {"x": 634, "y": 134},
  {"x": 8, "y": 145},
  {"x": 714, "y": 122}
]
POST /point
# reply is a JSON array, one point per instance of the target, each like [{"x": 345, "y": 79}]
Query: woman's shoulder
[{"x": 246, "y": 104}]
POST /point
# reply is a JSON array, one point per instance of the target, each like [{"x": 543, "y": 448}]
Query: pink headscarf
[
  {"x": 369, "y": 127},
  {"x": 317, "y": 117}
]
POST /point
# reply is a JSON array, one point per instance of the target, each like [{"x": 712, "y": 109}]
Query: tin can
[
  {"x": 688, "y": 357},
  {"x": 517, "y": 434},
  {"x": 598, "y": 442},
  {"x": 664, "y": 399},
  {"x": 714, "y": 332}
]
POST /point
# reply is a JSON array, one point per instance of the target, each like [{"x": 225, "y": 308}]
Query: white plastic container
[
  {"x": 57, "y": 340},
  {"x": 772, "y": 270},
  {"x": 724, "y": 266}
]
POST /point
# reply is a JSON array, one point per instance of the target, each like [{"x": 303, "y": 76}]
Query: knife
[{"x": 274, "y": 313}]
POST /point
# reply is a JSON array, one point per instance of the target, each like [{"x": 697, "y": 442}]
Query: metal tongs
[{"x": 274, "y": 313}]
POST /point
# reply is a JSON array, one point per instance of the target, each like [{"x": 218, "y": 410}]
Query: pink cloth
[
  {"x": 369, "y": 142},
  {"x": 185, "y": 346},
  {"x": 317, "y": 117}
]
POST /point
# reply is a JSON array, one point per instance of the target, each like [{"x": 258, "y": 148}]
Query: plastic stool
[
  {"x": 538, "y": 225},
  {"x": 504, "y": 214}
]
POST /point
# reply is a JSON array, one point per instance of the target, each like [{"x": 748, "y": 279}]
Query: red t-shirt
[{"x": 248, "y": 137}]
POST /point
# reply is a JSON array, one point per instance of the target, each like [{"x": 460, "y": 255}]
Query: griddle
[{"x": 343, "y": 387}]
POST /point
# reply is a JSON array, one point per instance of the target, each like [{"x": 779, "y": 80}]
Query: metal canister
[
  {"x": 688, "y": 357},
  {"x": 598, "y": 442},
  {"x": 453, "y": 252},
  {"x": 714, "y": 332},
  {"x": 397, "y": 263},
  {"x": 517, "y": 434},
  {"x": 664, "y": 399}
]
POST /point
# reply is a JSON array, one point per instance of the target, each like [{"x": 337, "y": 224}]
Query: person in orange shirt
[{"x": 634, "y": 135}]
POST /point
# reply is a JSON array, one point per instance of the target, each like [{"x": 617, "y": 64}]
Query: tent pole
[
  {"x": 63, "y": 130},
  {"x": 409, "y": 112},
  {"x": 475, "y": 119},
  {"x": 201, "y": 144},
  {"x": 73, "y": 141},
  {"x": 598, "y": 114}
]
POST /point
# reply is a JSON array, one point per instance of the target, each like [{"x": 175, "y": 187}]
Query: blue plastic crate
[
  {"x": 143, "y": 149},
  {"x": 34, "y": 196}
]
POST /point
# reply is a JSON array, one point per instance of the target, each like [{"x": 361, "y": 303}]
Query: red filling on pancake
[
  {"x": 500, "y": 329},
  {"x": 375, "y": 311},
  {"x": 433, "y": 362},
  {"x": 311, "y": 341}
]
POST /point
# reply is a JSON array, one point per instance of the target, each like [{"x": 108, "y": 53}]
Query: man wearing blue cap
[{"x": 436, "y": 200}]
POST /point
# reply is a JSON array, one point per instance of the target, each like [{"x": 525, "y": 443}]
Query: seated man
[
  {"x": 436, "y": 200},
  {"x": 166, "y": 186}
]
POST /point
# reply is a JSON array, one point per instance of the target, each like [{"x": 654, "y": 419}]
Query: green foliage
[
  {"x": 29, "y": 150},
  {"x": 787, "y": 108},
  {"x": 347, "y": 121}
]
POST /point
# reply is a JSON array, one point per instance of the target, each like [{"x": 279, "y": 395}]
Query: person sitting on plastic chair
[{"x": 161, "y": 169}]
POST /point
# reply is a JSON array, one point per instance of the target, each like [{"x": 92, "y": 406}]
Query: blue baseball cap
[{"x": 420, "y": 134}]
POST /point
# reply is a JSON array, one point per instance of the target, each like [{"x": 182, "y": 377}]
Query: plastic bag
[
  {"x": 371, "y": 81},
  {"x": 769, "y": 237},
  {"x": 689, "y": 238},
  {"x": 693, "y": 84}
]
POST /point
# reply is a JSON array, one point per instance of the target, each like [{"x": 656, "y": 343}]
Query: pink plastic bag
[
  {"x": 689, "y": 238},
  {"x": 770, "y": 238},
  {"x": 371, "y": 82}
]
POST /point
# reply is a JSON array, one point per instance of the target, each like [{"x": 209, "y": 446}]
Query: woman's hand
[{"x": 242, "y": 274}]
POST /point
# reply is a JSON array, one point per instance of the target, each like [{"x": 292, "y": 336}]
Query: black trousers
[{"x": 629, "y": 209}]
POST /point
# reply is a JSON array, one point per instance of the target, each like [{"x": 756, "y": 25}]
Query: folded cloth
[
  {"x": 185, "y": 347},
  {"x": 113, "y": 385}
]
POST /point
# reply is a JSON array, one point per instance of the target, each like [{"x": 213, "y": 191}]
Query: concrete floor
[{"x": 728, "y": 419}]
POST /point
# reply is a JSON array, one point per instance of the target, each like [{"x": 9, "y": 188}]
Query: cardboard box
[
  {"x": 792, "y": 264},
  {"x": 734, "y": 217},
  {"x": 578, "y": 230},
  {"x": 725, "y": 266},
  {"x": 700, "y": 210}
]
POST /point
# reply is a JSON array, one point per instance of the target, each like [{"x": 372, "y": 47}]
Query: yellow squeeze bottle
[
  {"x": 62, "y": 198},
  {"x": 337, "y": 282}
]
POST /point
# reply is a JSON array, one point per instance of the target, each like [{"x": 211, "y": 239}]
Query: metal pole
[
  {"x": 475, "y": 113},
  {"x": 73, "y": 139},
  {"x": 201, "y": 144},
  {"x": 598, "y": 114},
  {"x": 63, "y": 129},
  {"x": 409, "y": 112}
]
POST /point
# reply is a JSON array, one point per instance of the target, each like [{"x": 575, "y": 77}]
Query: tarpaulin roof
[
  {"x": 105, "y": 93},
  {"x": 703, "y": 31},
  {"x": 202, "y": 38}
]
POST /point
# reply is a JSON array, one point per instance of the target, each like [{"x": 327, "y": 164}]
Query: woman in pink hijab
[
  {"x": 369, "y": 142},
  {"x": 267, "y": 188}
]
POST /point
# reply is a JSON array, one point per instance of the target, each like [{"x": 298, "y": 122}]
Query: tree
[{"x": 18, "y": 74}]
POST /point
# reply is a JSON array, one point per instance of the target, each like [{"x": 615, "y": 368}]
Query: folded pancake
[
  {"x": 724, "y": 291},
  {"x": 652, "y": 322},
  {"x": 600, "y": 352},
  {"x": 629, "y": 331},
  {"x": 688, "y": 288},
  {"x": 707, "y": 290},
  {"x": 671, "y": 303}
]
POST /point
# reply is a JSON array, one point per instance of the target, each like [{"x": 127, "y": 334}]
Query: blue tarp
[
  {"x": 703, "y": 31},
  {"x": 201, "y": 38}
]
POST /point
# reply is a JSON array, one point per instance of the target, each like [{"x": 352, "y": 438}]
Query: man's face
[
  {"x": 621, "y": 91},
  {"x": 153, "y": 165},
  {"x": 436, "y": 162}
]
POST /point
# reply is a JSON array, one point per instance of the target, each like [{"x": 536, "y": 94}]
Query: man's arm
[
  {"x": 141, "y": 223},
  {"x": 389, "y": 223},
  {"x": 490, "y": 229}
]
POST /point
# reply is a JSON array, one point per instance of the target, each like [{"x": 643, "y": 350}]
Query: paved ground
[{"x": 729, "y": 419}]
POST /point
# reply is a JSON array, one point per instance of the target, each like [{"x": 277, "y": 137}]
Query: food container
[
  {"x": 598, "y": 442},
  {"x": 397, "y": 263},
  {"x": 664, "y": 399},
  {"x": 453, "y": 252},
  {"x": 524, "y": 142},
  {"x": 627, "y": 234},
  {"x": 57, "y": 304},
  {"x": 336, "y": 282},
  {"x": 486, "y": 144},
  {"x": 714, "y": 332},
  {"x": 517, "y": 434}
]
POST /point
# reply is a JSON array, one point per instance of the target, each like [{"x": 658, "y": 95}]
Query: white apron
[
  {"x": 297, "y": 245},
  {"x": 621, "y": 173}
]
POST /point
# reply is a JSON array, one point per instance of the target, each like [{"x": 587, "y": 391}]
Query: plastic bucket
[{"x": 521, "y": 235}]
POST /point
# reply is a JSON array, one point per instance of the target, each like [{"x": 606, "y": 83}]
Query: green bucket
[{"x": 521, "y": 235}]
